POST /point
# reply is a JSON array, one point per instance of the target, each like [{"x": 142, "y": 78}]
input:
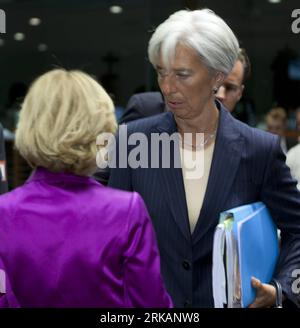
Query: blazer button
[
  {"x": 186, "y": 264},
  {"x": 187, "y": 304}
]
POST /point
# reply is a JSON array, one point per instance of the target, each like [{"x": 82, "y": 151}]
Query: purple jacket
[{"x": 67, "y": 241}]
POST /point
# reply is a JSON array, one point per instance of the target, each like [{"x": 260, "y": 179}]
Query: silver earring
[{"x": 215, "y": 90}]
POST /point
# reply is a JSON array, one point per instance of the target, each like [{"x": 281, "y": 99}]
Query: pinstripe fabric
[{"x": 247, "y": 166}]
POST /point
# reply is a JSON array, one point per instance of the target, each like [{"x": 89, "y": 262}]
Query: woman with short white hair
[
  {"x": 192, "y": 53},
  {"x": 67, "y": 241}
]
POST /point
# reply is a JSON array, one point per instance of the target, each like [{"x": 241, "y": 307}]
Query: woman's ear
[{"x": 219, "y": 79}]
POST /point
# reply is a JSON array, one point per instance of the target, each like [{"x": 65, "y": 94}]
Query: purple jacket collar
[{"x": 42, "y": 174}]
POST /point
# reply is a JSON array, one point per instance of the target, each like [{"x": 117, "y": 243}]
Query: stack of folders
[{"x": 245, "y": 245}]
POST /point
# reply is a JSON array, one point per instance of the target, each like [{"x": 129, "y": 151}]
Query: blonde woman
[{"x": 67, "y": 241}]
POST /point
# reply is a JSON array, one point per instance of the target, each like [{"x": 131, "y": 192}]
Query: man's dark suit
[
  {"x": 248, "y": 165},
  {"x": 142, "y": 105},
  {"x": 3, "y": 180}
]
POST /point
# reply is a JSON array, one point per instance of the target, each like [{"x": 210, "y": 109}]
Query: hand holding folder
[
  {"x": 245, "y": 246},
  {"x": 267, "y": 295}
]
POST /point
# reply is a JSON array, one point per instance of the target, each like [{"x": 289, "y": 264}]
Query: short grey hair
[{"x": 201, "y": 30}]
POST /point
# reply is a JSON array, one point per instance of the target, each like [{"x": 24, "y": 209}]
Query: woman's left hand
[{"x": 265, "y": 294}]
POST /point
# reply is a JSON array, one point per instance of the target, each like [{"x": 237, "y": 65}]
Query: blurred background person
[
  {"x": 276, "y": 123},
  {"x": 276, "y": 120},
  {"x": 231, "y": 91},
  {"x": 67, "y": 241}
]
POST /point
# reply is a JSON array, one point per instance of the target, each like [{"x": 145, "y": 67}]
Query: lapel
[
  {"x": 225, "y": 163},
  {"x": 171, "y": 181}
]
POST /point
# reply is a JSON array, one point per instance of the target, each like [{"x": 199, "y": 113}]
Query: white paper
[{"x": 218, "y": 272}]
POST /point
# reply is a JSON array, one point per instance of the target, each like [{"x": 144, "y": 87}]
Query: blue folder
[{"x": 256, "y": 243}]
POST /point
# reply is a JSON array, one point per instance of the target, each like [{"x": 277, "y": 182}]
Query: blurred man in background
[
  {"x": 231, "y": 91},
  {"x": 276, "y": 123}
]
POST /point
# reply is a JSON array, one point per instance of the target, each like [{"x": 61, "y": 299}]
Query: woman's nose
[
  {"x": 167, "y": 85},
  {"x": 221, "y": 94}
]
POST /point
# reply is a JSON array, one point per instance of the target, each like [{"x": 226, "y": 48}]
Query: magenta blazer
[{"x": 67, "y": 241}]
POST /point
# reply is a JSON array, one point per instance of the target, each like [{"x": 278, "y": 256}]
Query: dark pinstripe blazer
[
  {"x": 3, "y": 183},
  {"x": 248, "y": 165}
]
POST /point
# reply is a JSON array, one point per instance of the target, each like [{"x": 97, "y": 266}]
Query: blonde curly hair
[{"x": 60, "y": 119}]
